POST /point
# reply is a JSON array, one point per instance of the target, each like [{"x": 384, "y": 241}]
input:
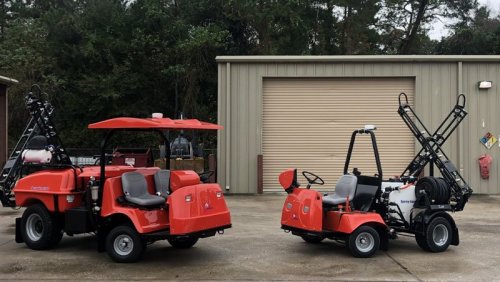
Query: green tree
[
  {"x": 480, "y": 37},
  {"x": 403, "y": 22},
  {"x": 357, "y": 26}
]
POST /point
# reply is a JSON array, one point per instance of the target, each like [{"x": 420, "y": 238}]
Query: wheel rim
[
  {"x": 123, "y": 245},
  {"x": 365, "y": 242},
  {"x": 34, "y": 227},
  {"x": 440, "y": 235}
]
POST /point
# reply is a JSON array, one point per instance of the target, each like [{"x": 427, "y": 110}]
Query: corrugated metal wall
[
  {"x": 240, "y": 84},
  {"x": 308, "y": 122},
  {"x": 484, "y": 116}
]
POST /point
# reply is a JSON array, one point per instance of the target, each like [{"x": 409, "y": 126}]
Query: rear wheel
[
  {"x": 438, "y": 235},
  {"x": 422, "y": 242},
  {"x": 39, "y": 229},
  {"x": 312, "y": 239},
  {"x": 364, "y": 242},
  {"x": 182, "y": 242},
  {"x": 124, "y": 244}
]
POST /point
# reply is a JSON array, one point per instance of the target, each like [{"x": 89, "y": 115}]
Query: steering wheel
[
  {"x": 312, "y": 179},
  {"x": 205, "y": 176}
]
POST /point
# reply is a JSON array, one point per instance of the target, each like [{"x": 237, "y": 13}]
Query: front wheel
[
  {"x": 124, "y": 244},
  {"x": 364, "y": 242},
  {"x": 39, "y": 229},
  {"x": 312, "y": 239},
  {"x": 182, "y": 242}
]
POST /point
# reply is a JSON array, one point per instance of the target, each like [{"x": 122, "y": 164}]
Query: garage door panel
[{"x": 307, "y": 124}]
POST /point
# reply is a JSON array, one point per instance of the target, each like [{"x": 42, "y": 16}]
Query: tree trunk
[
  {"x": 346, "y": 42},
  {"x": 407, "y": 43},
  {"x": 3, "y": 19}
]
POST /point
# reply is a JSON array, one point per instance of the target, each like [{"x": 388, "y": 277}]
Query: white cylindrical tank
[
  {"x": 404, "y": 197},
  {"x": 37, "y": 156}
]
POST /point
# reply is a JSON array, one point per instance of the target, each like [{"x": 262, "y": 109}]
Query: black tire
[
  {"x": 182, "y": 242},
  {"x": 39, "y": 229},
  {"x": 363, "y": 242},
  {"x": 124, "y": 244},
  {"x": 438, "y": 234},
  {"x": 312, "y": 239},
  {"x": 422, "y": 242}
]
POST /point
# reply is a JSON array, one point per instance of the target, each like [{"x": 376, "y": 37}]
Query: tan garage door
[{"x": 308, "y": 122}]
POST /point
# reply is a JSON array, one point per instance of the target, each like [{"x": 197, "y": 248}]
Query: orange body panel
[
  {"x": 182, "y": 178},
  {"x": 347, "y": 222},
  {"x": 196, "y": 208},
  {"x": 144, "y": 220},
  {"x": 303, "y": 209},
  {"x": 56, "y": 189}
]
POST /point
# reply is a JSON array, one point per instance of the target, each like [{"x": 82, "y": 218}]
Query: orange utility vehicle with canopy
[{"x": 127, "y": 207}]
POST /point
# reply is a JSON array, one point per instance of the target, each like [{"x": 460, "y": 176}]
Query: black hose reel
[{"x": 435, "y": 189}]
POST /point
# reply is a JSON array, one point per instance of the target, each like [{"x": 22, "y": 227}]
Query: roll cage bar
[{"x": 375, "y": 150}]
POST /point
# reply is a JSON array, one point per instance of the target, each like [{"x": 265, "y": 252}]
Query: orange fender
[
  {"x": 347, "y": 222},
  {"x": 303, "y": 209},
  {"x": 56, "y": 189},
  {"x": 196, "y": 208}
]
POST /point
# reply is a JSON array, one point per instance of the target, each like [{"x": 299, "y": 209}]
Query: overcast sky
[{"x": 438, "y": 29}]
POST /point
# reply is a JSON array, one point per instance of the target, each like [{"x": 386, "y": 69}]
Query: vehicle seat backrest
[
  {"x": 346, "y": 186},
  {"x": 180, "y": 147},
  {"x": 134, "y": 184},
  {"x": 366, "y": 191},
  {"x": 162, "y": 182},
  {"x": 37, "y": 142}
]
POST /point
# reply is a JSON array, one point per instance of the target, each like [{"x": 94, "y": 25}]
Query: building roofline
[
  {"x": 7, "y": 80},
  {"x": 358, "y": 58}
]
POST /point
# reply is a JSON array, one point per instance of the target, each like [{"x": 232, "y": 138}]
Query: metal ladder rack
[
  {"x": 432, "y": 152},
  {"x": 40, "y": 123}
]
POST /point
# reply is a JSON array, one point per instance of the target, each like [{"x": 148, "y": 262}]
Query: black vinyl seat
[
  {"x": 367, "y": 189},
  {"x": 346, "y": 186},
  {"x": 136, "y": 192},
  {"x": 162, "y": 182}
]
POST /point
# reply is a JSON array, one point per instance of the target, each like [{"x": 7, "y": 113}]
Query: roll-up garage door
[{"x": 307, "y": 124}]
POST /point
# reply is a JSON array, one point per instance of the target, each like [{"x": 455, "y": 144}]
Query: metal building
[
  {"x": 299, "y": 111},
  {"x": 5, "y": 82}
]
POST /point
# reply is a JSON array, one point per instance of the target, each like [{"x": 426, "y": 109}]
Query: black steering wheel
[
  {"x": 312, "y": 179},
  {"x": 205, "y": 176}
]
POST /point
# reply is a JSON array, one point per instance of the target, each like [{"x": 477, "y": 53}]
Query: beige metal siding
[
  {"x": 484, "y": 116},
  {"x": 240, "y": 141},
  {"x": 307, "y": 124}
]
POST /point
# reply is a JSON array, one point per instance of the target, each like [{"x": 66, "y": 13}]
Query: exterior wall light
[{"x": 485, "y": 84}]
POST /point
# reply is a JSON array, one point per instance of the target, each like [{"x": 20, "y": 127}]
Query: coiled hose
[{"x": 436, "y": 189}]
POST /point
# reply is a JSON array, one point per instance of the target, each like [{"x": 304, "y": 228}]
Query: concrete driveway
[{"x": 257, "y": 249}]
